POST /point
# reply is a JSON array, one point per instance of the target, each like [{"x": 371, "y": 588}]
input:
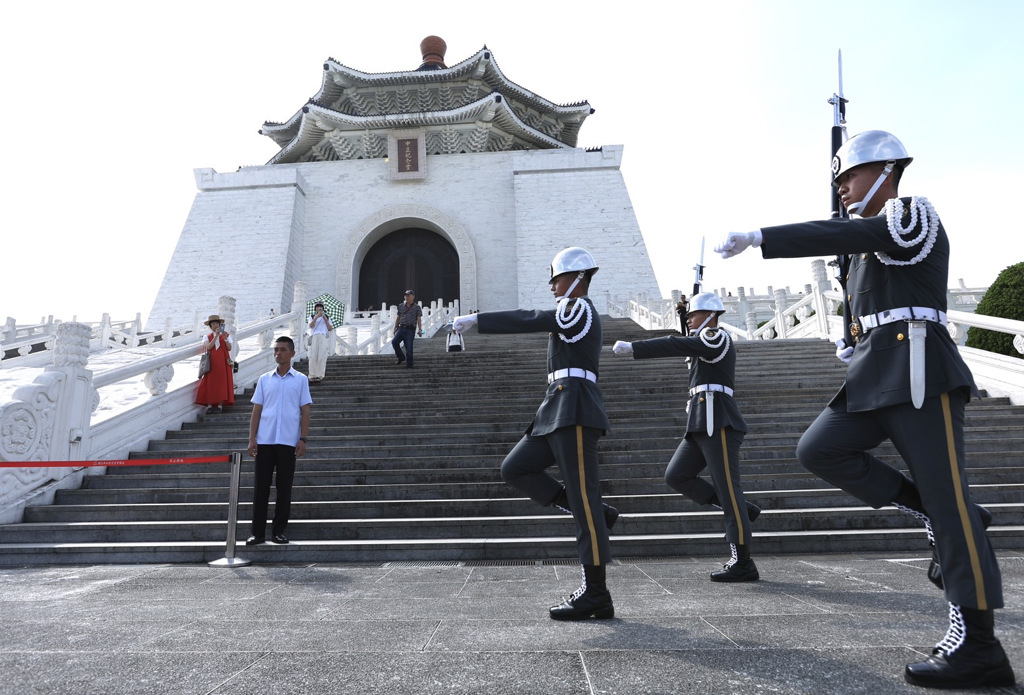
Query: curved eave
[
  {"x": 480, "y": 65},
  {"x": 316, "y": 120}
]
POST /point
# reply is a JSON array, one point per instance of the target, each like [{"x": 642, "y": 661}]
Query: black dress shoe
[
  {"x": 399, "y": 361},
  {"x": 591, "y": 606},
  {"x": 279, "y": 539},
  {"x": 739, "y": 571},
  {"x": 253, "y": 540}
]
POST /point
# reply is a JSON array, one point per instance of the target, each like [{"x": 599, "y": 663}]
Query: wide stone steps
[{"x": 405, "y": 466}]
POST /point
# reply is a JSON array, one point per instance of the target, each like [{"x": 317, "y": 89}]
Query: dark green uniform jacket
[
  {"x": 723, "y": 372},
  {"x": 879, "y": 373},
  {"x": 570, "y": 401}
]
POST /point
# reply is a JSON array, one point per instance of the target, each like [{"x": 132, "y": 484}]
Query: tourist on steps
[{"x": 217, "y": 386}]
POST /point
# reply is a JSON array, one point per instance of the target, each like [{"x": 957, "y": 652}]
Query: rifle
[
  {"x": 842, "y": 261},
  {"x": 699, "y": 270}
]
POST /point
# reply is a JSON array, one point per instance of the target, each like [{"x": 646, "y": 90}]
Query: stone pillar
[
  {"x": 751, "y": 324},
  {"x": 9, "y": 331},
  {"x": 226, "y": 310},
  {"x": 298, "y": 329},
  {"x": 48, "y": 420},
  {"x": 781, "y": 304}
]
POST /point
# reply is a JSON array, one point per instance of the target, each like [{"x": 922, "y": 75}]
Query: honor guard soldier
[
  {"x": 906, "y": 382},
  {"x": 568, "y": 424},
  {"x": 714, "y": 427}
]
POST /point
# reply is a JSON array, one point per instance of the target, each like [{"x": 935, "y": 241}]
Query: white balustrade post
[
  {"x": 353, "y": 339},
  {"x": 751, "y": 319},
  {"x": 226, "y": 310},
  {"x": 820, "y": 284},
  {"x": 105, "y": 332},
  {"x": 298, "y": 328},
  {"x": 781, "y": 304},
  {"x": 10, "y": 331}
]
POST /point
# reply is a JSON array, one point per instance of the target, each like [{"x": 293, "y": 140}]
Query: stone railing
[
  {"x": 54, "y": 418},
  {"x": 378, "y": 337},
  {"x": 32, "y": 346}
]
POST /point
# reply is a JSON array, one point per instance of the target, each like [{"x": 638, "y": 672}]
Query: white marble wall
[{"x": 251, "y": 234}]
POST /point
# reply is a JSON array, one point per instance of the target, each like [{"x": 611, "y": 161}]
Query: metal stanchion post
[{"x": 229, "y": 559}]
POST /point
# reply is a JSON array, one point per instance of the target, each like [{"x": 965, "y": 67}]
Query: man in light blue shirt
[{"x": 277, "y": 436}]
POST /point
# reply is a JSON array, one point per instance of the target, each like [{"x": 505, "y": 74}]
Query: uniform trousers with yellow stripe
[
  {"x": 931, "y": 442},
  {"x": 574, "y": 451},
  {"x": 720, "y": 454}
]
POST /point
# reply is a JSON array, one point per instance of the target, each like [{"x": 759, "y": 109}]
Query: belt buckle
[{"x": 856, "y": 331}]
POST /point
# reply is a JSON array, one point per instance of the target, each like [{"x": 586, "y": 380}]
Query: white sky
[{"x": 722, "y": 108}]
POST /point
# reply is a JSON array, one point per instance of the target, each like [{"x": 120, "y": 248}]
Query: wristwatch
[{"x": 302, "y": 439}]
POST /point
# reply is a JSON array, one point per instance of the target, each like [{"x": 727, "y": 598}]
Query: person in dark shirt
[{"x": 407, "y": 323}]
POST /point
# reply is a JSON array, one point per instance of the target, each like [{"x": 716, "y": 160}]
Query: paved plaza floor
[{"x": 813, "y": 624}]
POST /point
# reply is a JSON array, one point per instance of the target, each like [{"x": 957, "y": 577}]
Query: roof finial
[{"x": 433, "y": 49}]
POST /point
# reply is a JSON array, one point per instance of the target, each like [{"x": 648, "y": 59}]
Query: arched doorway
[{"x": 411, "y": 258}]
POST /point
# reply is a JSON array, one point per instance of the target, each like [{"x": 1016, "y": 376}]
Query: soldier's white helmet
[
  {"x": 706, "y": 301},
  {"x": 572, "y": 260},
  {"x": 869, "y": 146}
]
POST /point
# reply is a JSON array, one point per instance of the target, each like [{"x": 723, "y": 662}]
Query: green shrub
[{"x": 1004, "y": 299}]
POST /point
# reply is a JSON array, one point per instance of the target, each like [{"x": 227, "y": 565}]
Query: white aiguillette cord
[{"x": 567, "y": 316}]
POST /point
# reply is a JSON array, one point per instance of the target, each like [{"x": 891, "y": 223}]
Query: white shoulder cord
[
  {"x": 567, "y": 316},
  {"x": 920, "y": 208},
  {"x": 715, "y": 338}
]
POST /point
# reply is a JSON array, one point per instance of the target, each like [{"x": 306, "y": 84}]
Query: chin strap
[{"x": 858, "y": 208}]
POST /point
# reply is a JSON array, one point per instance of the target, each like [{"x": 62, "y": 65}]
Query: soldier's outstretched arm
[{"x": 735, "y": 243}]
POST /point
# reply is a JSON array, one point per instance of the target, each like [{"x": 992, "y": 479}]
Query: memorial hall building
[{"x": 452, "y": 181}]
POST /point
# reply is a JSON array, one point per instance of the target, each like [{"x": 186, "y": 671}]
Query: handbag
[{"x": 204, "y": 364}]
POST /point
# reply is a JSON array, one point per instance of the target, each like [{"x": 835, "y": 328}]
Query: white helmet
[
  {"x": 706, "y": 301},
  {"x": 572, "y": 260},
  {"x": 869, "y": 146}
]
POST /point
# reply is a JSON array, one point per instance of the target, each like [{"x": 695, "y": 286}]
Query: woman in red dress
[{"x": 217, "y": 387}]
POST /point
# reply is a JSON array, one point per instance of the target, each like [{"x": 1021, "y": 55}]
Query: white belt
[
  {"x": 711, "y": 387},
  {"x": 574, "y": 372},
  {"x": 904, "y": 313}
]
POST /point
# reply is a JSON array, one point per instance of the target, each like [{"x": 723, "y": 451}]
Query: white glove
[
  {"x": 735, "y": 243},
  {"x": 845, "y": 354},
  {"x": 621, "y": 347},
  {"x": 461, "y": 324}
]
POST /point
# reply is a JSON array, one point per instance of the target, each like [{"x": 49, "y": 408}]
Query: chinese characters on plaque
[{"x": 407, "y": 152}]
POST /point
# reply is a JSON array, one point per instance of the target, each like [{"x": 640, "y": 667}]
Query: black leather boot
[
  {"x": 969, "y": 656},
  {"x": 753, "y": 511},
  {"x": 591, "y": 600},
  {"x": 739, "y": 568},
  {"x": 611, "y": 514},
  {"x": 909, "y": 501}
]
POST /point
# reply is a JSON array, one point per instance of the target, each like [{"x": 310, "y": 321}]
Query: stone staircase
[{"x": 403, "y": 466}]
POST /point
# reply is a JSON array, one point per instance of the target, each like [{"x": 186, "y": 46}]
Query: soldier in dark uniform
[
  {"x": 714, "y": 428},
  {"x": 567, "y": 426},
  {"x": 906, "y": 382}
]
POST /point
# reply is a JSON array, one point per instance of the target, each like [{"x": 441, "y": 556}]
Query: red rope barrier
[{"x": 124, "y": 462}]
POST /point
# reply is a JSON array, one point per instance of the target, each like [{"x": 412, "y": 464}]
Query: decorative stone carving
[
  {"x": 156, "y": 380},
  {"x": 26, "y": 423},
  {"x": 71, "y": 348}
]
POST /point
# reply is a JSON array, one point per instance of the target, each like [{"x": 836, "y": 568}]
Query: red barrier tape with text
[{"x": 128, "y": 462}]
